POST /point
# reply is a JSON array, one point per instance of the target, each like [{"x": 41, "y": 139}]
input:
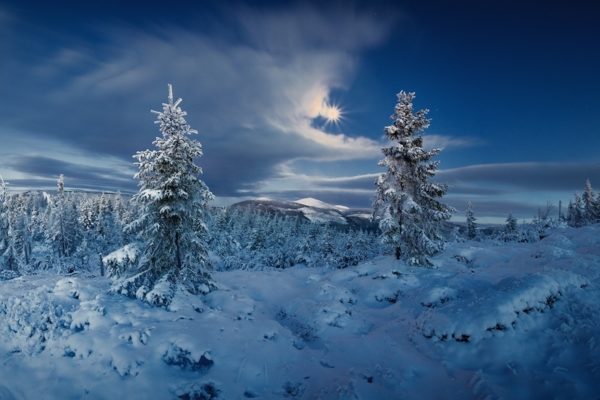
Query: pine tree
[
  {"x": 471, "y": 225},
  {"x": 597, "y": 207},
  {"x": 510, "y": 229},
  {"x": 590, "y": 206},
  {"x": 407, "y": 205},
  {"x": 575, "y": 217},
  {"x": 172, "y": 201},
  {"x": 64, "y": 231},
  {"x": 19, "y": 233},
  {"x": 3, "y": 216},
  {"x": 59, "y": 229}
]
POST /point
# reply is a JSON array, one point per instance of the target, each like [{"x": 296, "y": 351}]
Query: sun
[{"x": 332, "y": 113}]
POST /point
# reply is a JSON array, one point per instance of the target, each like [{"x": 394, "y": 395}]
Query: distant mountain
[
  {"x": 309, "y": 201},
  {"x": 313, "y": 210}
]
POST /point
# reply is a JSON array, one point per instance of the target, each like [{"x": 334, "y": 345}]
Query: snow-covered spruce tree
[
  {"x": 3, "y": 216},
  {"x": 87, "y": 220},
  {"x": 172, "y": 202},
  {"x": 9, "y": 260},
  {"x": 19, "y": 234},
  {"x": 58, "y": 232},
  {"x": 407, "y": 204},
  {"x": 576, "y": 216},
  {"x": 471, "y": 225},
  {"x": 591, "y": 211},
  {"x": 64, "y": 232},
  {"x": 511, "y": 229}
]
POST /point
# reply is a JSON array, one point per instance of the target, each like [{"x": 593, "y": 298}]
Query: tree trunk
[
  {"x": 178, "y": 251},
  {"x": 398, "y": 253},
  {"x": 101, "y": 265}
]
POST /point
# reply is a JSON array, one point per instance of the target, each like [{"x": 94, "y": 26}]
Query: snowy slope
[
  {"x": 311, "y": 202},
  {"x": 514, "y": 321}
]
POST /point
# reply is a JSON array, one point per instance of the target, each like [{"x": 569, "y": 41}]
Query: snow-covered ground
[{"x": 513, "y": 321}]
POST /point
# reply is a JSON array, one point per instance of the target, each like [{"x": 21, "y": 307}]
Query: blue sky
[{"x": 512, "y": 88}]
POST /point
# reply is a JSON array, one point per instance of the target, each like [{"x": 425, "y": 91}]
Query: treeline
[
  {"x": 249, "y": 239},
  {"x": 583, "y": 209},
  {"x": 70, "y": 231},
  {"x": 65, "y": 231}
]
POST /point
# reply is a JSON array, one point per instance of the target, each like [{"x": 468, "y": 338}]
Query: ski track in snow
[{"x": 491, "y": 321}]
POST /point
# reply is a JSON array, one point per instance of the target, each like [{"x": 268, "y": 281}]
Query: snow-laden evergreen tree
[
  {"x": 108, "y": 227},
  {"x": 591, "y": 209},
  {"x": 58, "y": 218},
  {"x": 597, "y": 207},
  {"x": 511, "y": 229},
  {"x": 576, "y": 215},
  {"x": 408, "y": 205},
  {"x": 3, "y": 216},
  {"x": 543, "y": 221},
  {"x": 64, "y": 231},
  {"x": 9, "y": 243},
  {"x": 19, "y": 230},
  {"x": 471, "y": 225},
  {"x": 172, "y": 200}
]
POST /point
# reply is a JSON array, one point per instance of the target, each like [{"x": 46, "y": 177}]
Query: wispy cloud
[
  {"x": 251, "y": 98},
  {"x": 448, "y": 141},
  {"x": 495, "y": 189},
  {"x": 526, "y": 175}
]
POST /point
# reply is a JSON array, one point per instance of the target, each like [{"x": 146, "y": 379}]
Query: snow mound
[{"x": 506, "y": 305}]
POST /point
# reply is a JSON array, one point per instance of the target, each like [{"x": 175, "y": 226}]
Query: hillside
[{"x": 313, "y": 210}]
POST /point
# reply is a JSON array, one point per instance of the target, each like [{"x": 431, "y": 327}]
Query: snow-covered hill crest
[
  {"x": 311, "y": 202},
  {"x": 312, "y": 210}
]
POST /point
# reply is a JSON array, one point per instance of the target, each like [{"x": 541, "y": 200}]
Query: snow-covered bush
[{"x": 121, "y": 260}]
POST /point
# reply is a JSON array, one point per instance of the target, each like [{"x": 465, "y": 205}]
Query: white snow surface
[
  {"x": 322, "y": 217},
  {"x": 126, "y": 253},
  {"x": 311, "y": 202},
  {"x": 490, "y": 321}
]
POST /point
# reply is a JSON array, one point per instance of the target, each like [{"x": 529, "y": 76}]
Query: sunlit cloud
[{"x": 252, "y": 100}]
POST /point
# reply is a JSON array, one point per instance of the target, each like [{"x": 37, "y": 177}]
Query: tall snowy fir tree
[
  {"x": 64, "y": 231},
  {"x": 59, "y": 229},
  {"x": 172, "y": 202},
  {"x": 471, "y": 225},
  {"x": 8, "y": 259},
  {"x": 591, "y": 211},
  {"x": 576, "y": 216},
  {"x": 3, "y": 216},
  {"x": 408, "y": 205}
]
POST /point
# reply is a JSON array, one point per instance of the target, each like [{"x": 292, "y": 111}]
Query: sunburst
[{"x": 332, "y": 113}]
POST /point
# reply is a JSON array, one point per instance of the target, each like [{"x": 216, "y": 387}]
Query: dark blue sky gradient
[{"x": 512, "y": 84}]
